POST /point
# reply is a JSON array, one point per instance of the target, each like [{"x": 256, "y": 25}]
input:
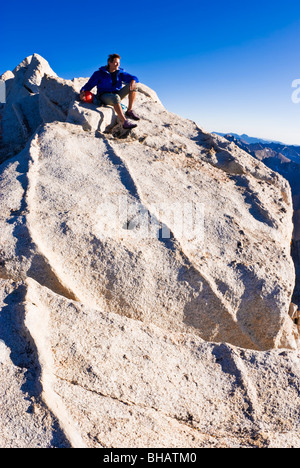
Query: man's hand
[
  {"x": 82, "y": 94},
  {"x": 132, "y": 85}
]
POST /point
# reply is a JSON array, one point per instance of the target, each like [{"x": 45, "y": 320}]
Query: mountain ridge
[{"x": 249, "y": 139}]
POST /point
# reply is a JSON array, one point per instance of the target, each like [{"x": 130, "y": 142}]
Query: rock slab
[{"x": 146, "y": 280}]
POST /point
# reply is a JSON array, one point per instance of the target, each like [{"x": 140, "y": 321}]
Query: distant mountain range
[
  {"x": 265, "y": 149},
  {"x": 279, "y": 157},
  {"x": 247, "y": 139},
  {"x": 262, "y": 149}
]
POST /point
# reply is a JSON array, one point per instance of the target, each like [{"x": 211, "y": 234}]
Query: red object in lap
[{"x": 88, "y": 97}]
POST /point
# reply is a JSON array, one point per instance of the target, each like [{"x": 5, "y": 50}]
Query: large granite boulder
[
  {"x": 172, "y": 227},
  {"x": 146, "y": 282}
]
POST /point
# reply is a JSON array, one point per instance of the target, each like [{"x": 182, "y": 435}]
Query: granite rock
[{"x": 145, "y": 280}]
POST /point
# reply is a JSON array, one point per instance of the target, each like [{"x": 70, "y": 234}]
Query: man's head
[{"x": 113, "y": 62}]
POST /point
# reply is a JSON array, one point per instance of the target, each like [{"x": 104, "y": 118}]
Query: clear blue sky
[{"x": 227, "y": 65}]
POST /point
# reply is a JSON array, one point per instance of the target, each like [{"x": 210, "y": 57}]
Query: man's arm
[
  {"x": 127, "y": 77},
  {"x": 93, "y": 81}
]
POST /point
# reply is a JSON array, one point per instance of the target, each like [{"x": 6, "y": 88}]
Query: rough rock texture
[
  {"x": 75, "y": 376},
  {"x": 146, "y": 281},
  {"x": 21, "y": 114}
]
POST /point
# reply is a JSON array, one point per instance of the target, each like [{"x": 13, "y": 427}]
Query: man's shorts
[{"x": 111, "y": 99}]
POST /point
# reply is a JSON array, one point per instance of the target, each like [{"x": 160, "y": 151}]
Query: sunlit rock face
[{"x": 146, "y": 278}]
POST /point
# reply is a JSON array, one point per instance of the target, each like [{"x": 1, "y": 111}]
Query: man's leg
[
  {"x": 131, "y": 98},
  {"x": 119, "y": 111},
  {"x": 113, "y": 99}
]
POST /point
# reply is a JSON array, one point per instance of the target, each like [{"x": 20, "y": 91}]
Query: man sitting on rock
[{"x": 110, "y": 91}]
